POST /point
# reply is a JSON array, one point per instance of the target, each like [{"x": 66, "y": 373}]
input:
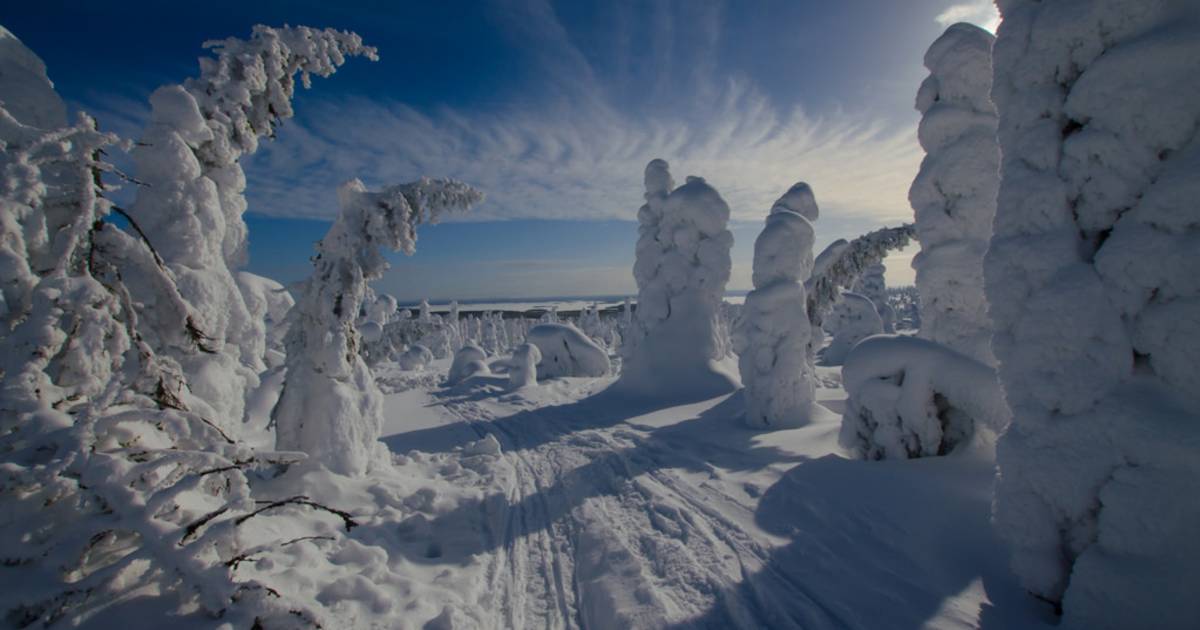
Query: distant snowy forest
[{"x": 1013, "y": 442}]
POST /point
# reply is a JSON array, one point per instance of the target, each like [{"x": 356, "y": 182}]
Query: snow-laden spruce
[
  {"x": 522, "y": 367},
  {"x": 772, "y": 336},
  {"x": 681, "y": 268},
  {"x": 468, "y": 361},
  {"x": 565, "y": 351},
  {"x": 954, "y": 194},
  {"x": 850, "y": 321},
  {"x": 1092, "y": 286},
  {"x": 331, "y": 407},
  {"x": 872, "y": 284},
  {"x": 841, "y": 264},
  {"x": 192, "y": 200},
  {"x": 909, "y": 397}
]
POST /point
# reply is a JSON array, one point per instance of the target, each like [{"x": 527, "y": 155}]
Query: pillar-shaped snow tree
[
  {"x": 193, "y": 201},
  {"x": 681, "y": 269},
  {"x": 954, "y": 194},
  {"x": 1092, "y": 286},
  {"x": 873, "y": 286},
  {"x": 331, "y": 407},
  {"x": 772, "y": 335}
]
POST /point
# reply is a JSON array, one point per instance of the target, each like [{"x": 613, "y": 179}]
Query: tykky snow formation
[{"x": 1013, "y": 443}]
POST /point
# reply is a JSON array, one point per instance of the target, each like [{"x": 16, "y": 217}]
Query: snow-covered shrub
[
  {"x": 522, "y": 371},
  {"x": 469, "y": 360},
  {"x": 851, "y": 320},
  {"x": 192, "y": 201},
  {"x": 1091, "y": 282},
  {"x": 772, "y": 335},
  {"x": 681, "y": 269},
  {"x": 905, "y": 302},
  {"x": 383, "y": 309},
  {"x": 566, "y": 351},
  {"x": 417, "y": 357},
  {"x": 954, "y": 194},
  {"x": 331, "y": 407},
  {"x": 910, "y": 397},
  {"x": 873, "y": 286}
]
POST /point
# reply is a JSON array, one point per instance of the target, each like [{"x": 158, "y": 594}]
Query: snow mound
[
  {"x": 566, "y": 351},
  {"x": 909, "y": 397},
  {"x": 523, "y": 370},
  {"x": 467, "y": 361},
  {"x": 415, "y": 358}
]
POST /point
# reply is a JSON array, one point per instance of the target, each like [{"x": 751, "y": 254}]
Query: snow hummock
[
  {"x": 681, "y": 269},
  {"x": 1091, "y": 284},
  {"x": 954, "y": 194},
  {"x": 565, "y": 351},
  {"x": 772, "y": 335},
  {"x": 851, "y": 320}
]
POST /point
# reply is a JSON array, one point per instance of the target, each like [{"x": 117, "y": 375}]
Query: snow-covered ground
[{"x": 601, "y": 514}]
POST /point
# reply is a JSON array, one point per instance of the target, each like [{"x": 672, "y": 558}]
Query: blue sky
[{"x": 552, "y": 109}]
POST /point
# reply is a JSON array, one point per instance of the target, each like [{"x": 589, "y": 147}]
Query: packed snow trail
[{"x": 614, "y": 516}]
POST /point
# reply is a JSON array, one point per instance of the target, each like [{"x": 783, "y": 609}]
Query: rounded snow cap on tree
[
  {"x": 799, "y": 199},
  {"x": 960, "y": 64},
  {"x": 174, "y": 107},
  {"x": 658, "y": 177},
  {"x": 700, "y": 205},
  {"x": 781, "y": 248}
]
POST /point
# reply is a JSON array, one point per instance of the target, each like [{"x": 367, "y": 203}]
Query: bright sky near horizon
[{"x": 553, "y": 110}]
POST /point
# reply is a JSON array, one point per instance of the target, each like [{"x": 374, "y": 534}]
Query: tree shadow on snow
[{"x": 880, "y": 544}]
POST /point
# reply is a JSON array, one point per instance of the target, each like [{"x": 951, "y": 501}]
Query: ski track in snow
[{"x": 629, "y": 536}]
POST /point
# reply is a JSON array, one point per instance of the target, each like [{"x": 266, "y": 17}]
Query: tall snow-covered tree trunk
[
  {"x": 1092, "y": 286},
  {"x": 192, "y": 203},
  {"x": 331, "y": 407},
  {"x": 772, "y": 335},
  {"x": 681, "y": 269},
  {"x": 954, "y": 194}
]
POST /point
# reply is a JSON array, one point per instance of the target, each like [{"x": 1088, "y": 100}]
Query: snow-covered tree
[
  {"x": 954, "y": 194},
  {"x": 565, "y": 351},
  {"x": 522, "y": 368},
  {"x": 851, "y": 320},
  {"x": 681, "y": 269},
  {"x": 468, "y": 361},
  {"x": 909, "y": 397},
  {"x": 872, "y": 284},
  {"x": 772, "y": 335},
  {"x": 1092, "y": 287},
  {"x": 330, "y": 407},
  {"x": 840, "y": 265},
  {"x": 192, "y": 199}
]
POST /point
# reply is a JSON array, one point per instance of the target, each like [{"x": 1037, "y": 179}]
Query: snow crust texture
[
  {"x": 682, "y": 267},
  {"x": 1091, "y": 282},
  {"x": 954, "y": 194},
  {"x": 772, "y": 336}
]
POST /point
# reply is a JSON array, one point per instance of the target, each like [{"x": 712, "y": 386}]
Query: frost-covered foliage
[
  {"x": 468, "y": 361},
  {"x": 331, "y": 407},
  {"x": 192, "y": 199},
  {"x": 773, "y": 335},
  {"x": 851, "y": 320},
  {"x": 909, "y": 397},
  {"x": 522, "y": 367},
  {"x": 566, "y": 351},
  {"x": 905, "y": 302},
  {"x": 840, "y": 265},
  {"x": 1092, "y": 286},
  {"x": 681, "y": 268},
  {"x": 873, "y": 286},
  {"x": 111, "y": 485},
  {"x": 268, "y": 301},
  {"x": 954, "y": 194}
]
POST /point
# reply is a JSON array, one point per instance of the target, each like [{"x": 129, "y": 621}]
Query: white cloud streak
[{"x": 981, "y": 13}]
